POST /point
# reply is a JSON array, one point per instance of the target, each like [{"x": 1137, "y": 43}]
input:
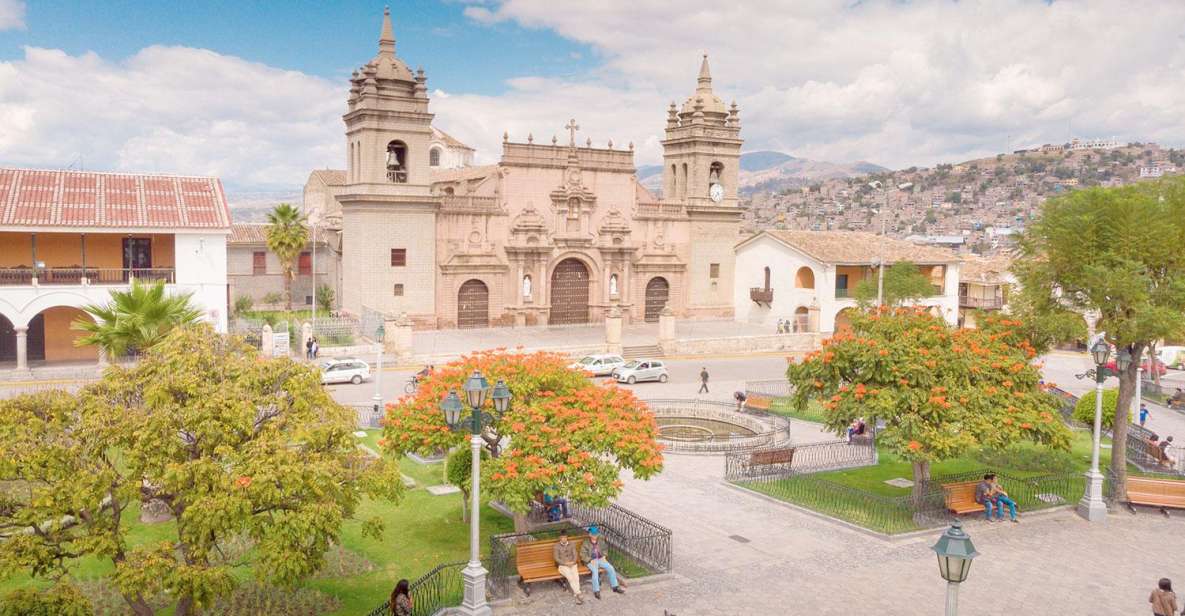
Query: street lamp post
[
  {"x": 1091, "y": 507},
  {"x": 476, "y": 388},
  {"x": 955, "y": 552},
  {"x": 880, "y": 270},
  {"x": 378, "y": 373}
]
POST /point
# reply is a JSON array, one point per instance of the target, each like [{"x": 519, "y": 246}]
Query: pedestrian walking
[
  {"x": 1163, "y": 599},
  {"x": 316, "y": 347},
  {"x": 703, "y": 380},
  {"x": 308, "y": 348},
  {"x": 1143, "y": 414}
]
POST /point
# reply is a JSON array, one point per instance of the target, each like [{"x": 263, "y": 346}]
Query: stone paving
[{"x": 795, "y": 563}]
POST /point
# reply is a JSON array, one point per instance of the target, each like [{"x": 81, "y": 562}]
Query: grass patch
[{"x": 784, "y": 407}]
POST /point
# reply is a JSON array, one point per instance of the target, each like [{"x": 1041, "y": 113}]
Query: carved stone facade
[{"x": 554, "y": 233}]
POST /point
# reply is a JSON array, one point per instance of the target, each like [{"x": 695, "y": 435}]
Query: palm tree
[
  {"x": 135, "y": 319},
  {"x": 286, "y": 237}
]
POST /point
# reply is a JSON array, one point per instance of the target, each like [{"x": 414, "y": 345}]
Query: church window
[
  {"x": 398, "y": 290},
  {"x": 259, "y": 263},
  {"x": 448, "y": 190},
  {"x": 683, "y": 183},
  {"x": 304, "y": 264},
  {"x": 713, "y": 270},
  {"x": 397, "y": 162},
  {"x": 398, "y": 257},
  {"x": 434, "y": 157},
  {"x": 573, "y": 224}
]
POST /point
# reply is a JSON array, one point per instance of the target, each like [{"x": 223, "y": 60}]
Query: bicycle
[{"x": 412, "y": 385}]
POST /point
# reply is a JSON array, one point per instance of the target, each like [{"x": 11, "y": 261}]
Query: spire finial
[
  {"x": 387, "y": 36},
  {"x": 705, "y": 75}
]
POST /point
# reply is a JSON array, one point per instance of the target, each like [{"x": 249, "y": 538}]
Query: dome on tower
[
  {"x": 386, "y": 66},
  {"x": 713, "y": 106}
]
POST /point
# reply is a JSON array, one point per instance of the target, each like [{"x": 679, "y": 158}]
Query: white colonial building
[
  {"x": 68, "y": 239},
  {"x": 808, "y": 277}
]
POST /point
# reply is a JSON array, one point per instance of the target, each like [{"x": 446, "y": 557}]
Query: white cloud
[
  {"x": 170, "y": 109},
  {"x": 12, "y": 15},
  {"x": 895, "y": 83}
]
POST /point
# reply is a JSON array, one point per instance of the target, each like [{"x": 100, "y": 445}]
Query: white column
[
  {"x": 22, "y": 348},
  {"x": 474, "y": 575}
]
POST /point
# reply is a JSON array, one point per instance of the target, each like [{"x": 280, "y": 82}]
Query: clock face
[{"x": 716, "y": 192}]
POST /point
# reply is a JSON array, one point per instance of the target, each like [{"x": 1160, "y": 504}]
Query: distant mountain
[
  {"x": 762, "y": 160},
  {"x": 769, "y": 171},
  {"x": 254, "y": 206}
]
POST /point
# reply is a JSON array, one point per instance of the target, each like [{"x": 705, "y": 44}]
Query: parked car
[
  {"x": 599, "y": 365},
  {"x": 345, "y": 371},
  {"x": 641, "y": 370},
  {"x": 1146, "y": 366}
]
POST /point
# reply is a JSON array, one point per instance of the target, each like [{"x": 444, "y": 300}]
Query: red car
[{"x": 1145, "y": 366}]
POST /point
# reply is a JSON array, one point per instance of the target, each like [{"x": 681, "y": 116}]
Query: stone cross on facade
[{"x": 572, "y": 128}]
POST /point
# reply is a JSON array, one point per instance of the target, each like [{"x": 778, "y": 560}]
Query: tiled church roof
[
  {"x": 57, "y": 198},
  {"x": 859, "y": 248}
]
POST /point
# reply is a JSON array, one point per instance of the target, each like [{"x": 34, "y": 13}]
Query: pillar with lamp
[
  {"x": 476, "y": 390},
  {"x": 1092, "y": 507},
  {"x": 955, "y": 552},
  {"x": 378, "y": 373}
]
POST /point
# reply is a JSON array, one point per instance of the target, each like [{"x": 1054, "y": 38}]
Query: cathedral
[{"x": 556, "y": 232}]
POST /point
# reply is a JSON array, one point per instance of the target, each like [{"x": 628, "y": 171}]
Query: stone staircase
[{"x": 641, "y": 352}]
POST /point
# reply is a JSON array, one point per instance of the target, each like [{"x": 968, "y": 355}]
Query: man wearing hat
[
  {"x": 592, "y": 553},
  {"x": 564, "y": 554}
]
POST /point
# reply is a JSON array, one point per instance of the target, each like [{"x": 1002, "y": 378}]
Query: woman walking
[
  {"x": 1163, "y": 599},
  {"x": 401, "y": 599}
]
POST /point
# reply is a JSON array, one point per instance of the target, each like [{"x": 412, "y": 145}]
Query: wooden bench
[
  {"x": 758, "y": 403},
  {"x": 960, "y": 497},
  {"x": 772, "y": 456},
  {"x": 1161, "y": 493},
  {"x": 535, "y": 561}
]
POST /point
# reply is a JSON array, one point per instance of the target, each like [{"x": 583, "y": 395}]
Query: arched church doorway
[
  {"x": 7, "y": 340},
  {"x": 658, "y": 292},
  {"x": 569, "y": 293},
  {"x": 473, "y": 305}
]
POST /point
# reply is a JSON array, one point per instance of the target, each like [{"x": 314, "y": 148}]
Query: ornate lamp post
[
  {"x": 1091, "y": 507},
  {"x": 476, "y": 389},
  {"x": 955, "y": 552},
  {"x": 378, "y": 374}
]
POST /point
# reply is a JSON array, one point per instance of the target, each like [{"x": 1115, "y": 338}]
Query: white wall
[{"x": 201, "y": 270}]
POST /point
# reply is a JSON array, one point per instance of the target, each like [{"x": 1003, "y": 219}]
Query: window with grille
[
  {"x": 398, "y": 257},
  {"x": 713, "y": 270},
  {"x": 259, "y": 263},
  {"x": 399, "y": 290},
  {"x": 304, "y": 264}
]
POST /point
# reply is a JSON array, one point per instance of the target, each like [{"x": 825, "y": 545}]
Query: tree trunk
[
  {"x": 184, "y": 606},
  {"x": 288, "y": 287},
  {"x": 139, "y": 606},
  {"x": 921, "y": 480},
  {"x": 464, "y": 505},
  {"x": 1127, "y": 390},
  {"x": 1152, "y": 363},
  {"x": 521, "y": 523}
]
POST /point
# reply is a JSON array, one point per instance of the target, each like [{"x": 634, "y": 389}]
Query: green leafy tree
[
  {"x": 563, "y": 433},
  {"x": 325, "y": 298},
  {"x": 1114, "y": 252},
  {"x": 903, "y": 284},
  {"x": 939, "y": 391},
  {"x": 135, "y": 319},
  {"x": 287, "y": 236},
  {"x": 230, "y": 443},
  {"x": 243, "y": 304},
  {"x": 61, "y": 599}
]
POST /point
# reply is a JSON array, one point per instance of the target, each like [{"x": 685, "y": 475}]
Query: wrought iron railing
[
  {"x": 761, "y": 295},
  {"x": 628, "y": 537},
  {"x": 764, "y": 429},
  {"x": 80, "y": 275},
  {"x": 369, "y": 415},
  {"x": 990, "y": 303},
  {"x": 772, "y": 388},
  {"x": 440, "y": 588}
]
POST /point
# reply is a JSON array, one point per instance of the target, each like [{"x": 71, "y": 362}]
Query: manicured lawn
[{"x": 782, "y": 406}]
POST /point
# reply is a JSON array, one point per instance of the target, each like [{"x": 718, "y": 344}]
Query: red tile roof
[{"x": 56, "y": 198}]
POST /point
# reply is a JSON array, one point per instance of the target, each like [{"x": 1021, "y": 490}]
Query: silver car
[
  {"x": 345, "y": 371},
  {"x": 598, "y": 365},
  {"x": 641, "y": 370}
]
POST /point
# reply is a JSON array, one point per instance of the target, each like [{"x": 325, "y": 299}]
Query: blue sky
[{"x": 327, "y": 39}]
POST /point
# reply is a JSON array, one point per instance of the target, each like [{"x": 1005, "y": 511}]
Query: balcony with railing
[
  {"x": 65, "y": 276},
  {"x": 983, "y": 303},
  {"x": 762, "y": 295}
]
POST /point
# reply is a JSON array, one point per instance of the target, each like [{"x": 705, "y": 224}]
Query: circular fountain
[{"x": 701, "y": 426}]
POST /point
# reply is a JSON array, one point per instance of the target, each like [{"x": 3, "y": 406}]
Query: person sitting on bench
[
  {"x": 1177, "y": 399},
  {"x": 556, "y": 507},
  {"x": 989, "y": 492},
  {"x": 592, "y": 552},
  {"x": 564, "y": 554},
  {"x": 856, "y": 429}
]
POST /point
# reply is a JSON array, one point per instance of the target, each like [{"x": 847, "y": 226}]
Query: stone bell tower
[
  {"x": 388, "y": 212},
  {"x": 701, "y": 157},
  {"x": 702, "y": 149}
]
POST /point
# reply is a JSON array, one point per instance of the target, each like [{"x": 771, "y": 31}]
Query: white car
[
  {"x": 641, "y": 370},
  {"x": 599, "y": 365},
  {"x": 345, "y": 371},
  {"x": 1172, "y": 356}
]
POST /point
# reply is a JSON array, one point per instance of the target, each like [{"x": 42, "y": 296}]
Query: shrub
[
  {"x": 325, "y": 298},
  {"x": 57, "y": 600},
  {"x": 273, "y": 298},
  {"x": 243, "y": 304},
  {"x": 1084, "y": 410}
]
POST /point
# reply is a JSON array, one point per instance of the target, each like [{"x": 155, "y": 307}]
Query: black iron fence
[
  {"x": 634, "y": 544},
  {"x": 800, "y": 459},
  {"x": 440, "y": 588},
  {"x": 369, "y": 415},
  {"x": 773, "y": 388}
]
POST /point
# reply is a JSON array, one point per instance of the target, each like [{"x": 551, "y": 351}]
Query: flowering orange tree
[
  {"x": 563, "y": 433},
  {"x": 940, "y": 391}
]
